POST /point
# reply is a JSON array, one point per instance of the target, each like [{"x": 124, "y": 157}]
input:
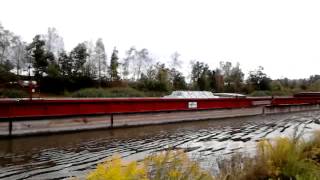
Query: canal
[{"x": 65, "y": 155}]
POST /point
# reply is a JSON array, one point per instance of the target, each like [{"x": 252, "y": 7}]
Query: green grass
[
  {"x": 13, "y": 93},
  {"x": 110, "y": 92},
  {"x": 114, "y": 92}
]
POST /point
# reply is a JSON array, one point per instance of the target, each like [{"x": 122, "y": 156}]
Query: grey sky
[{"x": 283, "y": 36}]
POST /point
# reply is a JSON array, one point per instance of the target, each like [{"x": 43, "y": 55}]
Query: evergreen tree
[
  {"x": 178, "y": 80},
  {"x": 114, "y": 65},
  {"x": 259, "y": 80},
  {"x": 78, "y": 56},
  {"x": 66, "y": 64},
  {"x": 201, "y": 76},
  {"x": 40, "y": 58}
]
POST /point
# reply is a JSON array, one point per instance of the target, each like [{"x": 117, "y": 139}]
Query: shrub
[
  {"x": 170, "y": 165},
  {"x": 115, "y": 169},
  {"x": 261, "y": 93},
  {"x": 13, "y": 93},
  {"x": 174, "y": 165},
  {"x": 111, "y": 92}
]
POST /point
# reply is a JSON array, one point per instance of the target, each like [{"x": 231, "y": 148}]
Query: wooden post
[
  {"x": 10, "y": 128},
  {"x": 111, "y": 118}
]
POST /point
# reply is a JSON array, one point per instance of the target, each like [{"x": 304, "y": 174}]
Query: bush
[
  {"x": 174, "y": 165},
  {"x": 115, "y": 169},
  {"x": 13, "y": 93},
  {"x": 170, "y": 165},
  {"x": 111, "y": 92},
  {"x": 261, "y": 93}
]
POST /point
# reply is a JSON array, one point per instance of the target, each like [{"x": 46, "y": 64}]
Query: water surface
[{"x": 64, "y": 155}]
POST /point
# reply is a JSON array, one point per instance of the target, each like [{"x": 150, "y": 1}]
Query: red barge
[{"x": 19, "y": 117}]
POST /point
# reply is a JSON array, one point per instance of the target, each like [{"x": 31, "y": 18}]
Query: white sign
[
  {"x": 257, "y": 103},
  {"x": 192, "y": 105}
]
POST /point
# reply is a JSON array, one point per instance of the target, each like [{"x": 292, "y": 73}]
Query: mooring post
[
  {"x": 111, "y": 118},
  {"x": 263, "y": 110},
  {"x": 10, "y": 128}
]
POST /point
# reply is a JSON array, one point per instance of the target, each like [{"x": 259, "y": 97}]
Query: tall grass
[
  {"x": 278, "y": 159},
  {"x": 170, "y": 165},
  {"x": 115, "y": 169}
]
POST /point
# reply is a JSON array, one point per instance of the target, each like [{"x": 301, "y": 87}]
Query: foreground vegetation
[{"x": 280, "y": 158}]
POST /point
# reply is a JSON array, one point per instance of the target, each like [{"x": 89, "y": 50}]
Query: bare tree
[
  {"x": 19, "y": 55},
  {"x": 137, "y": 62},
  {"x": 127, "y": 62},
  {"x": 54, "y": 42},
  {"x": 100, "y": 57},
  {"x": 5, "y": 43},
  {"x": 175, "y": 63},
  {"x": 90, "y": 64}
]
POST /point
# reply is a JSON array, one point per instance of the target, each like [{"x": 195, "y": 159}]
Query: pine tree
[{"x": 114, "y": 65}]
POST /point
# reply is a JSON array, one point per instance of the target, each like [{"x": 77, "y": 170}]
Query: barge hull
[{"x": 20, "y": 118}]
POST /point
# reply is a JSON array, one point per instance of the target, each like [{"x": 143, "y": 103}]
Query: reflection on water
[{"x": 64, "y": 155}]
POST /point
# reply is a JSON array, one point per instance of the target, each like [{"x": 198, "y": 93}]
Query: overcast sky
[{"x": 283, "y": 36}]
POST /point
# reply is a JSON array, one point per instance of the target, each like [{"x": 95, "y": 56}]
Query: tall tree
[
  {"x": 91, "y": 65},
  {"x": 136, "y": 63},
  {"x": 5, "y": 42},
  {"x": 114, "y": 65},
  {"x": 162, "y": 78},
  {"x": 40, "y": 58},
  {"x": 259, "y": 80},
  {"x": 79, "y": 55},
  {"x": 232, "y": 75},
  {"x": 66, "y": 64},
  {"x": 19, "y": 55},
  {"x": 100, "y": 56},
  {"x": 175, "y": 62},
  {"x": 128, "y": 62},
  {"x": 201, "y": 76},
  {"x": 177, "y": 80},
  {"x": 53, "y": 41}
]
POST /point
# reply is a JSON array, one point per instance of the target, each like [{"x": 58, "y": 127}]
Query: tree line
[{"x": 87, "y": 65}]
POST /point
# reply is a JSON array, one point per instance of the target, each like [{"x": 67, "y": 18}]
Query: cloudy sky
[{"x": 283, "y": 36}]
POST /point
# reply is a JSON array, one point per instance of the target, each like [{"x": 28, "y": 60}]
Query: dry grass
[{"x": 280, "y": 159}]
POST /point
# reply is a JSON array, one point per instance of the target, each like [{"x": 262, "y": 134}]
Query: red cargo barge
[{"x": 24, "y": 116}]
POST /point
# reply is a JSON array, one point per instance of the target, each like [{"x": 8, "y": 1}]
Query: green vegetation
[
  {"x": 110, "y": 92},
  {"x": 280, "y": 158},
  {"x": 170, "y": 165},
  {"x": 13, "y": 93},
  {"x": 261, "y": 93},
  {"x": 87, "y": 66},
  {"x": 115, "y": 169}
]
